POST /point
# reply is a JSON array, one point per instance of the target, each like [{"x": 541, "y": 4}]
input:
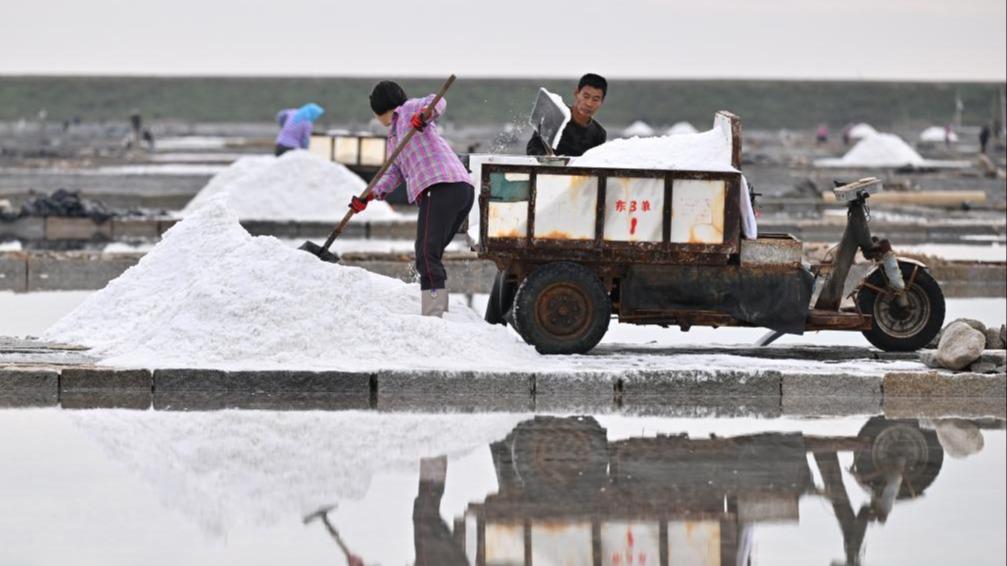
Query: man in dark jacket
[{"x": 582, "y": 132}]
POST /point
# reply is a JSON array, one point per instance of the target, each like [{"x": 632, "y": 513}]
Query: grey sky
[{"x": 845, "y": 39}]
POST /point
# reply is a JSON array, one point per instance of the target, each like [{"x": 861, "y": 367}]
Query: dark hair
[
  {"x": 593, "y": 80},
  {"x": 387, "y": 95}
]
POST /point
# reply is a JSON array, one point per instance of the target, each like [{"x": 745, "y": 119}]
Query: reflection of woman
[{"x": 295, "y": 130}]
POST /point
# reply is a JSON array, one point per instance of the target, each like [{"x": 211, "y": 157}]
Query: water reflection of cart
[
  {"x": 568, "y": 496},
  {"x": 578, "y": 245}
]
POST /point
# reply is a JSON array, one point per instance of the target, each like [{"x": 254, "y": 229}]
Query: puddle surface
[{"x": 297, "y": 487}]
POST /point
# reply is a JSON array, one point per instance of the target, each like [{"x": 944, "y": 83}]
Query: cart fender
[{"x": 878, "y": 266}]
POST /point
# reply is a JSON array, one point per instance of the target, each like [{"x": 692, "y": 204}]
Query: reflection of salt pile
[
  {"x": 211, "y": 295},
  {"x": 638, "y": 129},
  {"x": 680, "y": 128},
  {"x": 706, "y": 151},
  {"x": 224, "y": 469},
  {"x": 880, "y": 150},
  {"x": 295, "y": 186}
]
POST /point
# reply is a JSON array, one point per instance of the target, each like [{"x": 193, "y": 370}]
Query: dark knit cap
[{"x": 387, "y": 95}]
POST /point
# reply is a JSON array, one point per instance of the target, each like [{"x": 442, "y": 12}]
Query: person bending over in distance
[{"x": 296, "y": 126}]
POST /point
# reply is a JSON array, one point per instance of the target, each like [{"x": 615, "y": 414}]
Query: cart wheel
[
  {"x": 560, "y": 455},
  {"x": 562, "y": 308},
  {"x": 897, "y": 329},
  {"x": 898, "y": 446},
  {"x": 500, "y": 300}
]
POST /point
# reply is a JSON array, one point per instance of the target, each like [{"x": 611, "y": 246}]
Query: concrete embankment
[{"x": 38, "y": 374}]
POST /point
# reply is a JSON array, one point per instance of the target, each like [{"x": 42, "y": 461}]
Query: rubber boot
[{"x": 434, "y": 302}]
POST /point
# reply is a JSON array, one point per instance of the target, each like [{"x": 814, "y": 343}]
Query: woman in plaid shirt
[{"x": 435, "y": 179}]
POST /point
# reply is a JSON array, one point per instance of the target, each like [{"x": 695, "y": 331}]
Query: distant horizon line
[{"x": 29, "y": 75}]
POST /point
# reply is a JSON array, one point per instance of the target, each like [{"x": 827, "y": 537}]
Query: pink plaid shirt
[{"x": 426, "y": 161}]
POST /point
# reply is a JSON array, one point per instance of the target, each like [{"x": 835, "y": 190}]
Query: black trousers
[{"x": 443, "y": 209}]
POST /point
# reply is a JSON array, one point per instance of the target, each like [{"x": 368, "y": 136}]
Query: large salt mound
[
  {"x": 705, "y": 151},
  {"x": 295, "y": 186},
  {"x": 880, "y": 150},
  {"x": 210, "y": 295}
]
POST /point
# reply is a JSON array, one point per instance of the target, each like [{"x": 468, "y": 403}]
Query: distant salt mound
[
  {"x": 210, "y": 295},
  {"x": 861, "y": 131},
  {"x": 680, "y": 128},
  {"x": 879, "y": 150},
  {"x": 706, "y": 151},
  {"x": 638, "y": 129},
  {"x": 296, "y": 186},
  {"x": 936, "y": 134}
]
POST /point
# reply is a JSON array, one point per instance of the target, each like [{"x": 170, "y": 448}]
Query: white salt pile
[
  {"x": 706, "y": 151},
  {"x": 210, "y": 295},
  {"x": 638, "y": 128},
  {"x": 937, "y": 134},
  {"x": 879, "y": 150},
  {"x": 860, "y": 131},
  {"x": 680, "y": 128},
  {"x": 295, "y": 186}
]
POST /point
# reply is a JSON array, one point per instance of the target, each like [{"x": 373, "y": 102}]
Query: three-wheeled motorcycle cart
[{"x": 578, "y": 245}]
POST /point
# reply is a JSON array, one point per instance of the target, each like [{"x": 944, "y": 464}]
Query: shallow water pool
[{"x": 297, "y": 487}]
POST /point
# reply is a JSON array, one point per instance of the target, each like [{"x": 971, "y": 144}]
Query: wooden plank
[{"x": 927, "y": 198}]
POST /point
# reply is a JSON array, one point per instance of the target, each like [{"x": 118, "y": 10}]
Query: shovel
[
  {"x": 548, "y": 119},
  {"x": 322, "y": 251},
  {"x": 323, "y": 514}
]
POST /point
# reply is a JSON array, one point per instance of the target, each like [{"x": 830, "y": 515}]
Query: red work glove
[
  {"x": 418, "y": 122},
  {"x": 360, "y": 204}
]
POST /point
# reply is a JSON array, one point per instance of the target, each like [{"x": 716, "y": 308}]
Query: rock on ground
[
  {"x": 994, "y": 338},
  {"x": 978, "y": 325},
  {"x": 929, "y": 358},
  {"x": 960, "y": 345}
]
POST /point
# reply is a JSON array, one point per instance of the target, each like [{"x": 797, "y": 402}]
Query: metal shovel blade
[
  {"x": 548, "y": 118},
  {"x": 319, "y": 252}
]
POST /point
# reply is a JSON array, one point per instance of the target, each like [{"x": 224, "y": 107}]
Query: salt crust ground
[{"x": 296, "y": 186}]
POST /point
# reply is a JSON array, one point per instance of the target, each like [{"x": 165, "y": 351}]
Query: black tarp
[
  {"x": 772, "y": 297},
  {"x": 66, "y": 203}
]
